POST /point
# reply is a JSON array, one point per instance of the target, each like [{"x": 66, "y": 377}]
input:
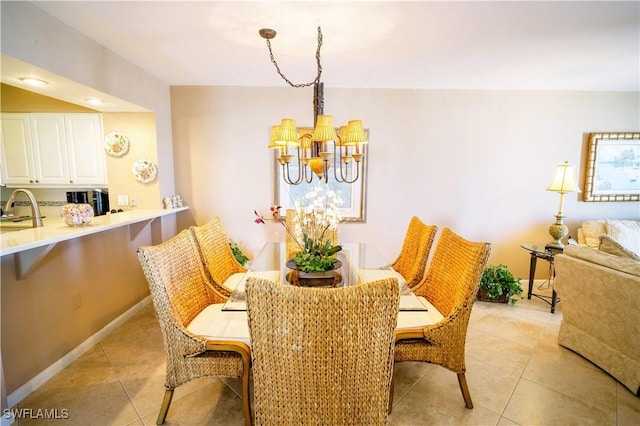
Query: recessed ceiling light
[
  {"x": 34, "y": 81},
  {"x": 94, "y": 101}
]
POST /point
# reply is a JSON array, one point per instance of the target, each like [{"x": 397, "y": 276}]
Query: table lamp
[{"x": 563, "y": 182}]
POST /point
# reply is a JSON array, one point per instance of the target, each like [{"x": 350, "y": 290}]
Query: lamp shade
[
  {"x": 275, "y": 138},
  {"x": 564, "y": 180},
  {"x": 342, "y": 135},
  {"x": 355, "y": 133},
  {"x": 324, "y": 130},
  {"x": 305, "y": 137},
  {"x": 289, "y": 132}
]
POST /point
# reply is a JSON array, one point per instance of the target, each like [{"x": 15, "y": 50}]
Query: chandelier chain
[{"x": 317, "y": 80}]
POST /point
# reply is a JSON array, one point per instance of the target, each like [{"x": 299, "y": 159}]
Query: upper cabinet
[
  {"x": 49, "y": 149},
  {"x": 52, "y": 150},
  {"x": 85, "y": 149},
  {"x": 17, "y": 151}
]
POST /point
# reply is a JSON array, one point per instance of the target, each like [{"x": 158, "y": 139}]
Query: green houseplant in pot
[
  {"x": 241, "y": 258},
  {"x": 498, "y": 285}
]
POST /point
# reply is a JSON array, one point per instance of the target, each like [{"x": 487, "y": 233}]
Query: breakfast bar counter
[
  {"x": 55, "y": 231},
  {"x": 63, "y": 288}
]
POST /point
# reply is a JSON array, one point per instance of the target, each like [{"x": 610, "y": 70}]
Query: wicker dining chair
[
  {"x": 291, "y": 246},
  {"x": 222, "y": 268},
  {"x": 415, "y": 251},
  {"x": 450, "y": 286},
  {"x": 322, "y": 355},
  {"x": 179, "y": 292}
]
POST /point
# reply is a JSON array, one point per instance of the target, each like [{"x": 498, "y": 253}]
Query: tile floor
[{"x": 517, "y": 374}]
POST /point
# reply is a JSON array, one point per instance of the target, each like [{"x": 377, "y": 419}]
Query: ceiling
[{"x": 544, "y": 45}]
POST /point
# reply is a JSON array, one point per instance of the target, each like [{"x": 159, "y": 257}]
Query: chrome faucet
[{"x": 36, "y": 217}]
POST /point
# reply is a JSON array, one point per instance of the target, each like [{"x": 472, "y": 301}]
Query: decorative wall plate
[
  {"x": 116, "y": 144},
  {"x": 145, "y": 171}
]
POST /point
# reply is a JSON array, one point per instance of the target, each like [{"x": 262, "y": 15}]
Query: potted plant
[
  {"x": 498, "y": 285},
  {"x": 238, "y": 254},
  {"x": 316, "y": 214}
]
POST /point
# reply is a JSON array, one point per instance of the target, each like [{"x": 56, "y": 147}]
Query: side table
[{"x": 540, "y": 251}]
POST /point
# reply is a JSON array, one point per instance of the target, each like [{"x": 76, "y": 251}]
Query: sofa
[
  {"x": 600, "y": 292},
  {"x": 623, "y": 235}
]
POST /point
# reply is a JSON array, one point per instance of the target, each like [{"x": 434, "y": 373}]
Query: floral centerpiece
[{"x": 316, "y": 214}]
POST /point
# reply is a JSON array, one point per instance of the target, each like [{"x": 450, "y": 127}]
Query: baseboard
[{"x": 23, "y": 391}]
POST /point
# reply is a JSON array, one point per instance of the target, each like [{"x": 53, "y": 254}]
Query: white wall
[{"x": 476, "y": 161}]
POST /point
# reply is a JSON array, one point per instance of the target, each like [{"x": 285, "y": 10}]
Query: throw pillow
[
  {"x": 626, "y": 233},
  {"x": 591, "y": 230},
  {"x": 611, "y": 246}
]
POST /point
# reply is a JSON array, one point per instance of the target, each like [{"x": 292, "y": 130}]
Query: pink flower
[
  {"x": 260, "y": 218},
  {"x": 275, "y": 210}
]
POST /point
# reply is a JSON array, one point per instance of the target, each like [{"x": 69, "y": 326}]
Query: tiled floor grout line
[
  {"x": 396, "y": 401},
  {"x": 124, "y": 388},
  {"x": 587, "y": 364},
  {"x": 522, "y": 372},
  {"x": 502, "y": 415},
  {"x": 617, "y": 405}
]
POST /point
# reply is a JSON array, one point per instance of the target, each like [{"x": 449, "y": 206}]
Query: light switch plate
[{"x": 123, "y": 200}]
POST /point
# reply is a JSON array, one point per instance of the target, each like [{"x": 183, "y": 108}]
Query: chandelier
[{"x": 316, "y": 151}]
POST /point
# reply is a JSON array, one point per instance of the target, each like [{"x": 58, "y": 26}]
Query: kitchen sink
[
  {"x": 12, "y": 224},
  {"x": 5, "y": 229},
  {"x": 14, "y": 219}
]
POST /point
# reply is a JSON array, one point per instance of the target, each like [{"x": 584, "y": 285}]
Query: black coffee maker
[{"x": 100, "y": 202}]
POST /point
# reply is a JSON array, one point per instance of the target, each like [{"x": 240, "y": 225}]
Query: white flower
[{"x": 316, "y": 213}]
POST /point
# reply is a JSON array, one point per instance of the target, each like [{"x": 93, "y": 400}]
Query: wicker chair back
[
  {"x": 454, "y": 273},
  {"x": 416, "y": 247},
  {"x": 176, "y": 279},
  {"x": 220, "y": 264},
  {"x": 322, "y": 356}
]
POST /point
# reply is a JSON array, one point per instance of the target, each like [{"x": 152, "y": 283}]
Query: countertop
[{"x": 55, "y": 230}]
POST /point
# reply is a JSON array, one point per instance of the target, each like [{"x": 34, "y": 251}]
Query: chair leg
[
  {"x": 166, "y": 402},
  {"x": 246, "y": 396},
  {"x": 462, "y": 381}
]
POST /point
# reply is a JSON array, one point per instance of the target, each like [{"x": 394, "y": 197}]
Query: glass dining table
[{"x": 361, "y": 263}]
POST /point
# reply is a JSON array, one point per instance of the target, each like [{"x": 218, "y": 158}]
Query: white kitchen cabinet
[
  {"x": 52, "y": 150},
  {"x": 84, "y": 146},
  {"x": 17, "y": 150},
  {"x": 50, "y": 156}
]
